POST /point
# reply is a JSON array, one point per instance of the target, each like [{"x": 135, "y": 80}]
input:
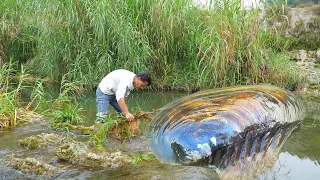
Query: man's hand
[
  {"x": 130, "y": 117},
  {"x": 123, "y": 106}
]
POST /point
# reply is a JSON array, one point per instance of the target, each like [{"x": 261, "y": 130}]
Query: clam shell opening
[{"x": 224, "y": 126}]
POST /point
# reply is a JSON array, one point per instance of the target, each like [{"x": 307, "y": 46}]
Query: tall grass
[
  {"x": 182, "y": 45},
  {"x": 62, "y": 109},
  {"x": 10, "y": 89}
]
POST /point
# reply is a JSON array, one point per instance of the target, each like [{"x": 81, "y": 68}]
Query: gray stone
[
  {"x": 312, "y": 54},
  {"x": 318, "y": 55},
  {"x": 31, "y": 165},
  {"x": 80, "y": 154},
  {"x": 302, "y": 55},
  {"x": 292, "y": 54},
  {"x": 313, "y": 78}
]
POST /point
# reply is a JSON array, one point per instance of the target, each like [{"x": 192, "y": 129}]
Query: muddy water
[{"x": 299, "y": 158}]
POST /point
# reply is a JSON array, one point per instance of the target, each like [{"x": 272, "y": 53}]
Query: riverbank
[{"x": 183, "y": 46}]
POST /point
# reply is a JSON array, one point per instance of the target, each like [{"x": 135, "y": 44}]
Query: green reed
[
  {"x": 10, "y": 88},
  {"x": 62, "y": 109},
  {"x": 183, "y": 46}
]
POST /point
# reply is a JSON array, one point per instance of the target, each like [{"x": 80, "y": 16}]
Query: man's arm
[
  {"x": 123, "y": 106},
  {"x": 121, "y": 101}
]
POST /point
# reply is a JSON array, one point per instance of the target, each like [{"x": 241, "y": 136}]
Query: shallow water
[
  {"x": 144, "y": 100},
  {"x": 299, "y": 157}
]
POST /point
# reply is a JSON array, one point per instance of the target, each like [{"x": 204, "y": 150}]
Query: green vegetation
[
  {"x": 183, "y": 46},
  {"x": 137, "y": 158},
  {"x": 99, "y": 137},
  {"x": 283, "y": 72},
  {"x": 11, "y": 112},
  {"x": 307, "y": 41},
  {"x": 43, "y": 140},
  {"x": 116, "y": 128},
  {"x": 70, "y": 114},
  {"x": 64, "y": 108},
  {"x": 303, "y": 35},
  {"x": 75, "y": 128}
]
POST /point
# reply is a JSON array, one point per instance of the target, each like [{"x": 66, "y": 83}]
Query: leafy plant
[
  {"x": 69, "y": 114},
  {"x": 137, "y": 158},
  {"x": 64, "y": 108},
  {"x": 100, "y": 135},
  {"x": 10, "y": 94},
  {"x": 39, "y": 98}
]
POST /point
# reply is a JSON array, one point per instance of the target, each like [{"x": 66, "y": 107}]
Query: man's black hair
[{"x": 145, "y": 77}]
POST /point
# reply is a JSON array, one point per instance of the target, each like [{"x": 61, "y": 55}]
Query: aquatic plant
[
  {"x": 10, "y": 89},
  {"x": 118, "y": 128},
  {"x": 137, "y": 158},
  {"x": 39, "y": 99},
  {"x": 182, "y": 45},
  {"x": 69, "y": 114},
  {"x": 75, "y": 128},
  {"x": 64, "y": 108},
  {"x": 99, "y": 137}
]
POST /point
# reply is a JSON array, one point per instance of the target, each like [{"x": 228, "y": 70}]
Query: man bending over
[{"x": 115, "y": 87}]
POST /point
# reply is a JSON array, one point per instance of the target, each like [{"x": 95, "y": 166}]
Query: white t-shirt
[{"x": 118, "y": 82}]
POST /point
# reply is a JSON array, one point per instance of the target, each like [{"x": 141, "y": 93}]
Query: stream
[{"x": 299, "y": 158}]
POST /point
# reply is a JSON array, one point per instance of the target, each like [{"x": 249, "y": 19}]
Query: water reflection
[
  {"x": 292, "y": 167},
  {"x": 300, "y": 155},
  {"x": 305, "y": 143},
  {"x": 144, "y": 100}
]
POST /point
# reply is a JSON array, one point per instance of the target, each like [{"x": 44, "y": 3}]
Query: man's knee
[{"x": 102, "y": 114}]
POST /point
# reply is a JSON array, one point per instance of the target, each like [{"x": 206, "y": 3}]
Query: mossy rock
[
  {"x": 316, "y": 9},
  {"x": 79, "y": 128},
  {"x": 41, "y": 140},
  {"x": 307, "y": 41},
  {"x": 312, "y": 54},
  {"x": 80, "y": 154},
  {"x": 31, "y": 165}
]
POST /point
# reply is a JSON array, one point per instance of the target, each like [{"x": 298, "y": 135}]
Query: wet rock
[
  {"x": 80, "y": 128},
  {"x": 80, "y": 154},
  {"x": 30, "y": 165},
  {"x": 42, "y": 140}
]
